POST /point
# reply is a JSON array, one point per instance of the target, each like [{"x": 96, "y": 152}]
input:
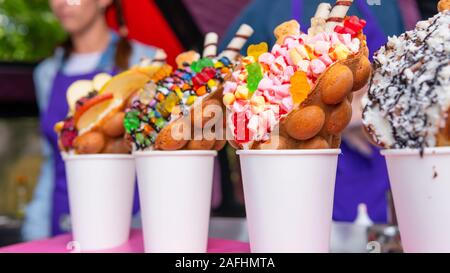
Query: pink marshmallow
[
  {"x": 317, "y": 66},
  {"x": 322, "y": 47},
  {"x": 345, "y": 38},
  {"x": 265, "y": 83},
  {"x": 278, "y": 50},
  {"x": 335, "y": 39},
  {"x": 326, "y": 60},
  {"x": 288, "y": 73},
  {"x": 229, "y": 87},
  {"x": 287, "y": 104},
  {"x": 282, "y": 91},
  {"x": 253, "y": 123},
  {"x": 278, "y": 66},
  {"x": 266, "y": 58},
  {"x": 290, "y": 42},
  {"x": 304, "y": 65},
  {"x": 240, "y": 106}
]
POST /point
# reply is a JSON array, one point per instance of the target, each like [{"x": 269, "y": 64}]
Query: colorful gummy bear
[
  {"x": 257, "y": 50},
  {"x": 300, "y": 87},
  {"x": 254, "y": 77},
  {"x": 201, "y": 64},
  {"x": 131, "y": 121}
]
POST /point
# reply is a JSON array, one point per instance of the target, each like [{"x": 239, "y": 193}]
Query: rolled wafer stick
[
  {"x": 318, "y": 22},
  {"x": 210, "y": 45},
  {"x": 338, "y": 14},
  {"x": 160, "y": 57},
  {"x": 323, "y": 11},
  {"x": 236, "y": 44}
]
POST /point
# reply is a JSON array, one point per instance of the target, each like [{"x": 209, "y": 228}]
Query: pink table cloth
[{"x": 60, "y": 244}]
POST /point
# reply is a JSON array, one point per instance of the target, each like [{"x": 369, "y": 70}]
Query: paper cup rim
[
  {"x": 71, "y": 157},
  {"x": 416, "y": 152},
  {"x": 290, "y": 152},
  {"x": 174, "y": 153}
]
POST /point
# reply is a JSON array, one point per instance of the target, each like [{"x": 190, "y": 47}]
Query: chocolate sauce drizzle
[{"x": 405, "y": 85}]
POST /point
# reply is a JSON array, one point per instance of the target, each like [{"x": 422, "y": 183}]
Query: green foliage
[{"x": 28, "y": 30}]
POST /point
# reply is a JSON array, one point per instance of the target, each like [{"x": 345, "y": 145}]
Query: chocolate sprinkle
[{"x": 410, "y": 89}]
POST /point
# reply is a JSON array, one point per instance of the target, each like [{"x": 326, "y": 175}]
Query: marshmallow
[
  {"x": 303, "y": 65},
  {"x": 317, "y": 67},
  {"x": 265, "y": 83},
  {"x": 229, "y": 99},
  {"x": 241, "y": 92},
  {"x": 341, "y": 52},
  {"x": 322, "y": 47},
  {"x": 303, "y": 52},
  {"x": 266, "y": 58},
  {"x": 326, "y": 59},
  {"x": 229, "y": 87}
]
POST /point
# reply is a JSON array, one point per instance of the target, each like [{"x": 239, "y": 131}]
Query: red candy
[
  {"x": 352, "y": 25},
  {"x": 203, "y": 77}
]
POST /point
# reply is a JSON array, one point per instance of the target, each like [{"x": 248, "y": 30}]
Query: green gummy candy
[
  {"x": 131, "y": 121},
  {"x": 160, "y": 123},
  {"x": 202, "y": 63},
  {"x": 254, "y": 76},
  {"x": 140, "y": 138}
]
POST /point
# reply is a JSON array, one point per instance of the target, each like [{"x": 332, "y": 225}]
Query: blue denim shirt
[{"x": 37, "y": 223}]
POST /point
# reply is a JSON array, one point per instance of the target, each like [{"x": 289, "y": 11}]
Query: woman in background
[
  {"x": 362, "y": 175},
  {"x": 91, "y": 48}
]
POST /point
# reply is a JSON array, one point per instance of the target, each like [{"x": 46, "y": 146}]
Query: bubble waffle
[
  {"x": 94, "y": 123},
  {"x": 174, "y": 110},
  {"x": 306, "y": 93},
  {"x": 409, "y": 99}
]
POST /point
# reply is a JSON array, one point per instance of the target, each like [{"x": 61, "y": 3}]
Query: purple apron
[
  {"x": 360, "y": 178},
  {"x": 57, "y": 110}
]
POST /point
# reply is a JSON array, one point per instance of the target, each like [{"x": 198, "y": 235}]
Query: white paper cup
[
  {"x": 101, "y": 189},
  {"x": 421, "y": 191},
  {"x": 175, "y": 189},
  {"x": 289, "y": 199}
]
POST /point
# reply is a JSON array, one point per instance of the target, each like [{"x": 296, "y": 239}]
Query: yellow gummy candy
[
  {"x": 256, "y": 50},
  {"x": 300, "y": 87}
]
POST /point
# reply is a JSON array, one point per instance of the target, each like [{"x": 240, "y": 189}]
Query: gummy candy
[
  {"x": 131, "y": 121},
  {"x": 140, "y": 138},
  {"x": 300, "y": 87},
  {"x": 352, "y": 25},
  {"x": 256, "y": 50},
  {"x": 201, "y": 91},
  {"x": 160, "y": 123},
  {"x": 203, "y": 77},
  {"x": 163, "y": 72},
  {"x": 170, "y": 102},
  {"x": 201, "y": 64},
  {"x": 190, "y": 100},
  {"x": 225, "y": 61},
  {"x": 254, "y": 76}
]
